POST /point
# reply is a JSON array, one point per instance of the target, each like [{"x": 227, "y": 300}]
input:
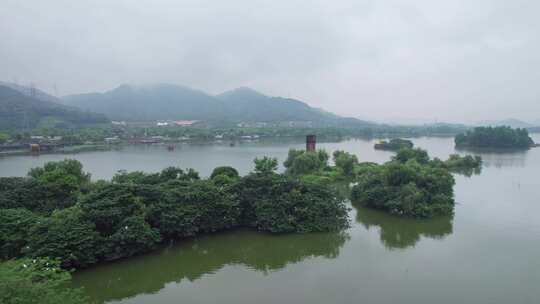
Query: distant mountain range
[
  {"x": 511, "y": 122},
  {"x": 173, "y": 102},
  {"x": 26, "y": 107},
  {"x": 19, "y": 111}
]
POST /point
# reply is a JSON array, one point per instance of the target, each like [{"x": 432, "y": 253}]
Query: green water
[{"x": 488, "y": 252}]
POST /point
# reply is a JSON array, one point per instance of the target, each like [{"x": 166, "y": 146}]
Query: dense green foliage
[
  {"x": 14, "y": 231},
  {"x": 65, "y": 235},
  {"x": 394, "y": 144},
  {"x": 466, "y": 165},
  {"x": 412, "y": 184},
  {"x": 419, "y": 155},
  {"x": 227, "y": 171},
  {"x": 346, "y": 162},
  {"x": 409, "y": 189},
  {"x": 281, "y": 203},
  {"x": 134, "y": 212},
  {"x": 495, "y": 137},
  {"x": 265, "y": 165},
  {"x": 300, "y": 162},
  {"x": 56, "y": 185},
  {"x": 36, "y": 281}
]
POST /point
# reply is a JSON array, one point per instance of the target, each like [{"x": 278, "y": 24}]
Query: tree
[
  {"x": 51, "y": 172},
  {"x": 167, "y": 174},
  {"x": 20, "y": 192},
  {"x": 419, "y": 155},
  {"x": 225, "y": 170},
  {"x": 346, "y": 162},
  {"x": 186, "y": 209},
  {"x": 62, "y": 179},
  {"x": 406, "y": 187},
  {"x": 280, "y": 203},
  {"x": 14, "y": 231},
  {"x": 67, "y": 236},
  {"x": 133, "y": 236},
  {"x": 37, "y": 281},
  {"x": 300, "y": 162},
  {"x": 265, "y": 165},
  {"x": 109, "y": 205},
  {"x": 3, "y": 138},
  {"x": 118, "y": 213}
]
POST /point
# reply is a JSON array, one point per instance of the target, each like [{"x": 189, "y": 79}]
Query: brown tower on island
[{"x": 311, "y": 140}]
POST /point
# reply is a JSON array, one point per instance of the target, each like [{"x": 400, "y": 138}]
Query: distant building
[
  {"x": 111, "y": 139},
  {"x": 185, "y": 122},
  {"x": 162, "y": 124},
  {"x": 249, "y": 136}
]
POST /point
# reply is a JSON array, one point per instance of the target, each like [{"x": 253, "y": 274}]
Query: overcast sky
[{"x": 458, "y": 60}]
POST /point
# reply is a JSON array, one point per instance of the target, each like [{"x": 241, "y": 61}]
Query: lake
[{"x": 488, "y": 252}]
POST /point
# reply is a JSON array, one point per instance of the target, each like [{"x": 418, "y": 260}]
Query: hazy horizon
[{"x": 456, "y": 61}]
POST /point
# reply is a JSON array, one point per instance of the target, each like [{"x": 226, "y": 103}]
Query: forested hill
[
  {"x": 18, "y": 111},
  {"x": 31, "y": 91},
  {"x": 158, "y": 102},
  {"x": 247, "y": 104},
  {"x": 172, "y": 102}
]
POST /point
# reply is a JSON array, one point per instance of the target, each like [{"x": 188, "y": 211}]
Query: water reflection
[
  {"x": 508, "y": 159},
  {"x": 401, "y": 233},
  {"x": 499, "y": 157},
  {"x": 193, "y": 259},
  {"x": 468, "y": 172}
]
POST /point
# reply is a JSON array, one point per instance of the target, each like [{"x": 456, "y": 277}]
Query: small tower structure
[{"x": 311, "y": 141}]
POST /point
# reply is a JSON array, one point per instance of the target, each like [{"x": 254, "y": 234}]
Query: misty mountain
[
  {"x": 18, "y": 111},
  {"x": 250, "y": 105},
  {"x": 155, "y": 102},
  {"x": 172, "y": 102},
  {"x": 31, "y": 92}
]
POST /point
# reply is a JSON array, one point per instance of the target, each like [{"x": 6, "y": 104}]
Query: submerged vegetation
[
  {"x": 495, "y": 137},
  {"x": 394, "y": 144}
]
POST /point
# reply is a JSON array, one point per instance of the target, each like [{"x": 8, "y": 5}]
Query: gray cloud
[{"x": 439, "y": 60}]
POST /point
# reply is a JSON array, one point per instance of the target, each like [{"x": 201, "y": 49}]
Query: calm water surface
[{"x": 488, "y": 252}]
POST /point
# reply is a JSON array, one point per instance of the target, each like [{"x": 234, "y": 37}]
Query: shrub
[{"x": 37, "y": 281}]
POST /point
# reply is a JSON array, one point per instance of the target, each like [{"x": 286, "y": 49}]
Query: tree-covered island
[
  {"x": 394, "y": 144},
  {"x": 411, "y": 184},
  {"x": 495, "y": 137}
]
